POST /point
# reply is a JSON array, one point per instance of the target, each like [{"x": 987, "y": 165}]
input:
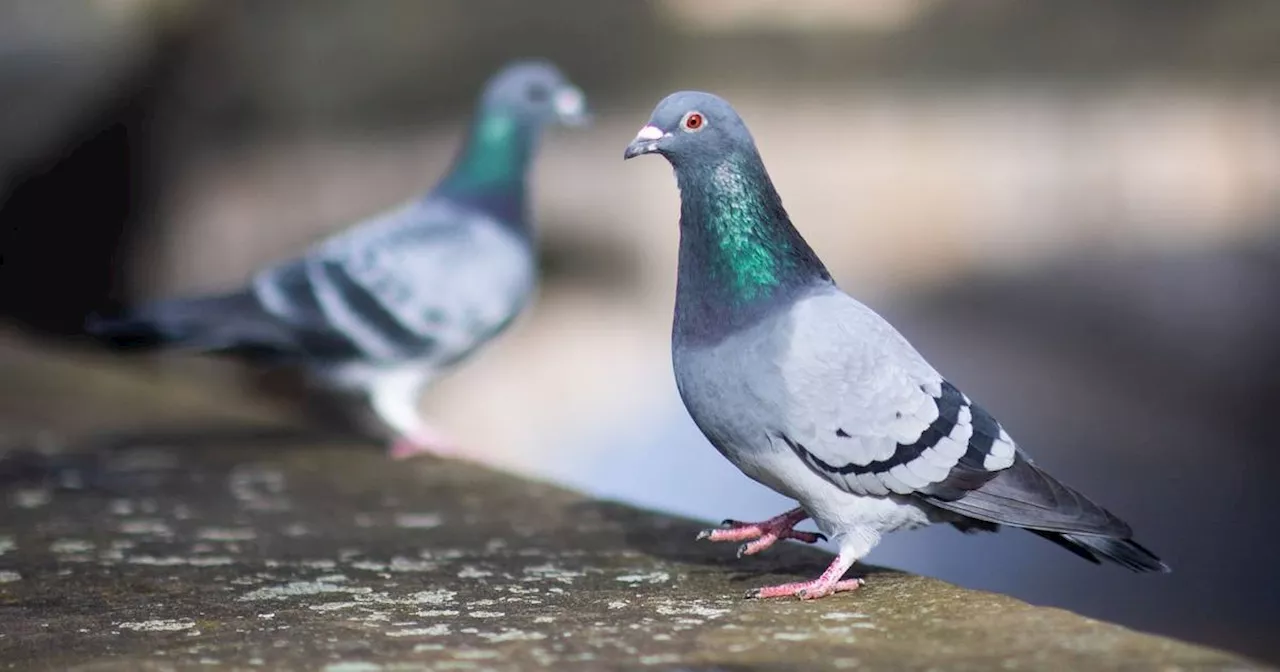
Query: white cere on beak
[
  {"x": 570, "y": 102},
  {"x": 650, "y": 133},
  {"x": 646, "y": 142}
]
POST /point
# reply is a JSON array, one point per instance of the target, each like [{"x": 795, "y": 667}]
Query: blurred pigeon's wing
[
  {"x": 429, "y": 279},
  {"x": 870, "y": 415}
]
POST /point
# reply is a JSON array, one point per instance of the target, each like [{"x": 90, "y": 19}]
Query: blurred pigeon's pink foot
[
  {"x": 425, "y": 441},
  {"x": 829, "y": 583},
  {"x": 765, "y": 534}
]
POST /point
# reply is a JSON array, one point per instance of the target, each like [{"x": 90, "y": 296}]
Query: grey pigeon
[
  {"x": 814, "y": 395},
  {"x": 386, "y": 306}
]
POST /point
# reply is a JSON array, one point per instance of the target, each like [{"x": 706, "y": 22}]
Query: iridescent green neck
[
  {"x": 740, "y": 230},
  {"x": 749, "y": 251},
  {"x": 489, "y": 173},
  {"x": 497, "y": 153},
  {"x": 739, "y": 253}
]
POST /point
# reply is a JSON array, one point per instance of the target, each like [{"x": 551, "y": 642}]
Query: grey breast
[{"x": 731, "y": 388}]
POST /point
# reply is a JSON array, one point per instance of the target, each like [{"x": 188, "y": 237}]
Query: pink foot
[
  {"x": 425, "y": 441},
  {"x": 829, "y": 583},
  {"x": 765, "y": 534},
  {"x": 807, "y": 590}
]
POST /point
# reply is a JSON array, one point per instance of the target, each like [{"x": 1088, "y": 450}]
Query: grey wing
[
  {"x": 868, "y": 413},
  {"x": 428, "y": 280},
  {"x": 877, "y": 419}
]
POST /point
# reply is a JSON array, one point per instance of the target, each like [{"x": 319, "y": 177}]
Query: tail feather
[
  {"x": 1124, "y": 552},
  {"x": 231, "y": 322},
  {"x": 129, "y": 333},
  {"x": 1025, "y": 496}
]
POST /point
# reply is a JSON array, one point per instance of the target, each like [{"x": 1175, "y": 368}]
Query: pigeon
[
  {"x": 812, "y": 394},
  {"x": 385, "y": 307}
]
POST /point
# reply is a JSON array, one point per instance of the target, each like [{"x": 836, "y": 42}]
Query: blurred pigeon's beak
[
  {"x": 646, "y": 142},
  {"x": 571, "y": 106}
]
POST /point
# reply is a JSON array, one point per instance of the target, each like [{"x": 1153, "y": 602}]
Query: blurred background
[{"x": 1071, "y": 208}]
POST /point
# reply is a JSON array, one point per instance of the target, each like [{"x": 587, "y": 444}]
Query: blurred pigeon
[
  {"x": 388, "y": 305},
  {"x": 814, "y": 395}
]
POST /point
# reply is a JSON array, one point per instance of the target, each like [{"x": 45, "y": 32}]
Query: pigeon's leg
[
  {"x": 424, "y": 439},
  {"x": 763, "y": 535},
  {"x": 394, "y": 396},
  {"x": 830, "y": 582}
]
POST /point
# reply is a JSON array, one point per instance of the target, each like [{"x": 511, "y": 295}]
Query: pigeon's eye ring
[
  {"x": 538, "y": 93},
  {"x": 693, "y": 122}
]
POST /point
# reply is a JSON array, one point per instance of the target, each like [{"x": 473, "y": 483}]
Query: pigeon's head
[
  {"x": 536, "y": 90},
  {"x": 691, "y": 125}
]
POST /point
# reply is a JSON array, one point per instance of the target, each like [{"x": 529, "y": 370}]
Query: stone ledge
[{"x": 302, "y": 555}]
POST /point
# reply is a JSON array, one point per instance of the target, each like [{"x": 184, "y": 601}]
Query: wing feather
[
  {"x": 427, "y": 280},
  {"x": 865, "y": 411}
]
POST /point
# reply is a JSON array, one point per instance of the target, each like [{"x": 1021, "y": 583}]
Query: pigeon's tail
[
  {"x": 1124, "y": 552},
  {"x": 1025, "y": 496},
  {"x": 232, "y": 323}
]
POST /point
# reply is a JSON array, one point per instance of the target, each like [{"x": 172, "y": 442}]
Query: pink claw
[
  {"x": 425, "y": 443},
  {"x": 807, "y": 590},
  {"x": 763, "y": 535},
  {"x": 828, "y": 584}
]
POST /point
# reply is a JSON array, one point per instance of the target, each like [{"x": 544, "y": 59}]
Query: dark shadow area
[{"x": 73, "y": 214}]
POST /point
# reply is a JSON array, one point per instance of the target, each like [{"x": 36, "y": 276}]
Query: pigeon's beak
[
  {"x": 571, "y": 106},
  {"x": 646, "y": 142}
]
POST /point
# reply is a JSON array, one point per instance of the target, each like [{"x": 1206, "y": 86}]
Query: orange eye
[{"x": 694, "y": 121}]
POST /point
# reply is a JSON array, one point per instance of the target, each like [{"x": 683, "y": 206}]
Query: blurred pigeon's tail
[
  {"x": 126, "y": 332},
  {"x": 1125, "y": 552},
  {"x": 230, "y": 322}
]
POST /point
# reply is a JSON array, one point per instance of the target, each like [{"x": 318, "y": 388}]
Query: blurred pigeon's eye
[
  {"x": 538, "y": 93},
  {"x": 693, "y": 122}
]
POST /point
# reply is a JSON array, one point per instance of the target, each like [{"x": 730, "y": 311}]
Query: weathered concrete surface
[{"x": 308, "y": 556}]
